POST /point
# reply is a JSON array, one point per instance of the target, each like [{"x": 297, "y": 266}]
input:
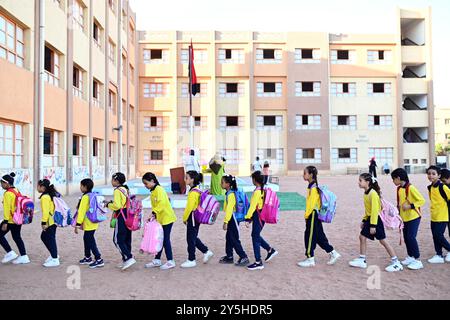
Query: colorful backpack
[
  {"x": 97, "y": 212},
  {"x": 328, "y": 201},
  {"x": 153, "y": 237},
  {"x": 271, "y": 207},
  {"x": 134, "y": 219},
  {"x": 24, "y": 209},
  {"x": 62, "y": 216},
  {"x": 242, "y": 205},
  {"x": 208, "y": 208}
]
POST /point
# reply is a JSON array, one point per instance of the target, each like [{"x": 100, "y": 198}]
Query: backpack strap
[
  {"x": 398, "y": 197},
  {"x": 127, "y": 203}
]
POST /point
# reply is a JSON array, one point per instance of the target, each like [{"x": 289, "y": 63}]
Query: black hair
[
  {"x": 198, "y": 177},
  {"x": 436, "y": 168},
  {"x": 9, "y": 178},
  {"x": 149, "y": 176},
  {"x": 192, "y": 153},
  {"x": 228, "y": 178},
  {"x": 49, "y": 188},
  {"x": 257, "y": 158},
  {"x": 88, "y": 184},
  {"x": 258, "y": 177},
  {"x": 401, "y": 174},
  {"x": 373, "y": 183},
  {"x": 120, "y": 177},
  {"x": 445, "y": 174},
  {"x": 266, "y": 164},
  {"x": 313, "y": 171}
]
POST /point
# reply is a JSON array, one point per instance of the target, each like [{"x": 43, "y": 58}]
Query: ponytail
[
  {"x": 120, "y": 177},
  {"x": 373, "y": 183},
  {"x": 258, "y": 177},
  {"x": 312, "y": 171},
  {"x": 231, "y": 180},
  {"x": 49, "y": 188}
]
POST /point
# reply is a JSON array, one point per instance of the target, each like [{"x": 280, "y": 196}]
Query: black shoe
[
  {"x": 97, "y": 264},
  {"x": 271, "y": 254},
  {"x": 86, "y": 260},
  {"x": 226, "y": 260},
  {"x": 256, "y": 266},
  {"x": 242, "y": 262}
]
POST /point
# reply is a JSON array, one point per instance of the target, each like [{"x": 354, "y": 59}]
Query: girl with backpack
[
  {"x": 409, "y": 202},
  {"x": 8, "y": 224},
  {"x": 193, "y": 180},
  {"x": 371, "y": 226},
  {"x": 231, "y": 224},
  {"x": 48, "y": 235},
  {"x": 122, "y": 235},
  {"x": 89, "y": 227},
  {"x": 314, "y": 233},
  {"x": 253, "y": 216},
  {"x": 164, "y": 214}
]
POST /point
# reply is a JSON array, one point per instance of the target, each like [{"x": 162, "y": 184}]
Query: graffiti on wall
[
  {"x": 23, "y": 180},
  {"x": 80, "y": 173},
  {"x": 56, "y": 175},
  {"x": 98, "y": 173}
]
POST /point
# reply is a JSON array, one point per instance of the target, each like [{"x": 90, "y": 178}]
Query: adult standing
[
  {"x": 257, "y": 166},
  {"x": 192, "y": 163},
  {"x": 373, "y": 167},
  {"x": 217, "y": 170}
]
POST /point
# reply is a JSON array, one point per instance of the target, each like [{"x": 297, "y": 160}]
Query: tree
[{"x": 440, "y": 151}]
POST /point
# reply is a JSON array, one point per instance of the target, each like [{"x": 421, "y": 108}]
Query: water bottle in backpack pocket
[
  {"x": 328, "y": 204},
  {"x": 61, "y": 216},
  {"x": 208, "y": 208}
]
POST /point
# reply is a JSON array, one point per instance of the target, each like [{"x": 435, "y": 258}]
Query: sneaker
[
  {"x": 358, "y": 263},
  {"x": 334, "y": 256},
  {"x": 208, "y": 255},
  {"x": 97, "y": 264},
  {"x": 436, "y": 259},
  {"x": 271, "y": 254},
  {"x": 394, "y": 267},
  {"x": 408, "y": 261},
  {"x": 168, "y": 265},
  {"x": 155, "y": 263},
  {"x": 120, "y": 265},
  {"x": 447, "y": 257},
  {"x": 309, "y": 262},
  {"x": 49, "y": 258},
  {"x": 85, "y": 261},
  {"x": 255, "y": 266},
  {"x": 52, "y": 263},
  {"x": 128, "y": 264},
  {"x": 188, "y": 264},
  {"x": 226, "y": 260},
  {"x": 242, "y": 262},
  {"x": 22, "y": 260},
  {"x": 10, "y": 256},
  {"x": 415, "y": 265}
]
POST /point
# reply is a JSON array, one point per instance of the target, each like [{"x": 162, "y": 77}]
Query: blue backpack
[{"x": 242, "y": 205}]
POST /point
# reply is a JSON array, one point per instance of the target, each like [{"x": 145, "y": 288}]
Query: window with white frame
[
  {"x": 96, "y": 93},
  {"x": 231, "y": 90},
  {"x": 200, "y": 56},
  {"x": 378, "y": 89},
  {"x": 131, "y": 154},
  {"x": 379, "y": 56},
  {"x": 308, "y": 155},
  {"x": 230, "y": 122},
  {"x": 77, "y": 82},
  {"x": 343, "y": 56},
  {"x": 234, "y": 56},
  {"x": 112, "y": 102},
  {"x": 377, "y": 122},
  {"x": 131, "y": 114},
  {"x": 269, "y": 55},
  {"x": 78, "y": 14},
  {"x": 97, "y": 152},
  {"x": 112, "y": 52},
  {"x": 308, "y": 122},
  {"x": 343, "y": 122},
  {"x": 383, "y": 155},
  {"x": 155, "y": 123},
  {"x": 51, "y": 148},
  {"x": 12, "y": 43},
  {"x": 233, "y": 156},
  {"x": 199, "y": 122},
  {"x": 307, "y": 89},
  {"x": 124, "y": 154},
  {"x": 97, "y": 34},
  {"x": 156, "y": 56},
  {"x": 274, "y": 155},
  {"x": 156, "y": 157},
  {"x": 155, "y": 90},
  {"x": 269, "y": 122},
  {"x": 112, "y": 155},
  {"x": 343, "y": 89},
  {"x": 307, "y": 55},
  {"x": 11, "y": 145},
  {"x": 269, "y": 89},
  {"x": 203, "y": 90},
  {"x": 344, "y": 155},
  {"x": 78, "y": 151},
  {"x": 51, "y": 65}
]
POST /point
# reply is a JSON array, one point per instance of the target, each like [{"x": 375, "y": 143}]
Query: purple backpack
[
  {"x": 96, "y": 213},
  {"x": 208, "y": 209}
]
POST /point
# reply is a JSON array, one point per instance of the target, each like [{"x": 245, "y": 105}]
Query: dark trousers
[
  {"x": 233, "y": 241},
  {"x": 90, "y": 245},
  {"x": 122, "y": 238},
  {"x": 373, "y": 171},
  {"x": 438, "y": 230},
  {"x": 48, "y": 237},
  {"x": 257, "y": 240},
  {"x": 15, "y": 232},
  {"x": 167, "y": 246},
  {"x": 409, "y": 235},
  {"x": 314, "y": 235},
  {"x": 192, "y": 239}
]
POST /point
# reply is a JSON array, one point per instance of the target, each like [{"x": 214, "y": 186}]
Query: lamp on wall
[{"x": 118, "y": 128}]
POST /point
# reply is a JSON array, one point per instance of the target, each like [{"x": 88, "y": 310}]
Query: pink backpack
[
  {"x": 24, "y": 209},
  {"x": 208, "y": 208},
  {"x": 391, "y": 217},
  {"x": 134, "y": 219},
  {"x": 153, "y": 237},
  {"x": 271, "y": 207}
]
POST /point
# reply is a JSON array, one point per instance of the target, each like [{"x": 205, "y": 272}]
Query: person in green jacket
[{"x": 217, "y": 170}]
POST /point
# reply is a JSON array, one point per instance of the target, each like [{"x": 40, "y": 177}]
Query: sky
[{"x": 334, "y": 16}]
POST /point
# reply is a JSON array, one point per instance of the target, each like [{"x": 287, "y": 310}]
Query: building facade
[
  {"x": 90, "y": 91},
  {"x": 442, "y": 126}
]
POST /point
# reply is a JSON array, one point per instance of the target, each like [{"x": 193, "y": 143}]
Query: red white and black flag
[{"x": 194, "y": 85}]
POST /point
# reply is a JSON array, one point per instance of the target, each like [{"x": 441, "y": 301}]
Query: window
[
  {"x": 232, "y": 87},
  {"x": 155, "y": 90},
  {"x": 77, "y": 151},
  {"x": 447, "y": 121},
  {"x": 344, "y": 155},
  {"x": 96, "y": 34},
  {"x": 415, "y": 161},
  {"x": 379, "y": 56},
  {"x": 383, "y": 155},
  {"x": 112, "y": 155},
  {"x": 156, "y": 157},
  {"x": 77, "y": 82},
  {"x": 131, "y": 154},
  {"x": 274, "y": 155},
  {"x": 343, "y": 122},
  {"x": 233, "y": 156},
  {"x": 124, "y": 21},
  {"x": 112, "y": 52},
  {"x": 156, "y": 56},
  {"x": 203, "y": 90},
  {"x": 269, "y": 122},
  {"x": 96, "y": 93},
  {"x": 377, "y": 122},
  {"x": 342, "y": 56},
  {"x": 95, "y": 147},
  {"x": 379, "y": 89},
  {"x": 269, "y": 89},
  {"x": 199, "y": 122},
  {"x": 51, "y": 65},
  {"x": 307, "y": 89},
  {"x": 78, "y": 15},
  {"x": 124, "y": 66},
  {"x": 11, "y": 42},
  {"x": 131, "y": 34},
  {"x": 307, "y": 55},
  {"x": 307, "y": 122},
  {"x": 112, "y": 101},
  {"x": 124, "y": 110},
  {"x": 233, "y": 56},
  {"x": 343, "y": 89},
  {"x": 308, "y": 155},
  {"x": 269, "y": 56},
  {"x": 11, "y": 145},
  {"x": 51, "y": 148},
  {"x": 155, "y": 124},
  {"x": 230, "y": 122},
  {"x": 200, "y": 56},
  {"x": 112, "y": 5},
  {"x": 131, "y": 114},
  {"x": 423, "y": 161},
  {"x": 231, "y": 90},
  {"x": 131, "y": 74}
]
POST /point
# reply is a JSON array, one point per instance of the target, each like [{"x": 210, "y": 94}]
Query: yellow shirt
[
  {"x": 120, "y": 199},
  {"x": 438, "y": 206},
  {"x": 415, "y": 198},
  {"x": 312, "y": 201},
  {"x": 82, "y": 218},
  {"x": 229, "y": 206},
  {"x": 193, "y": 200},
  {"x": 162, "y": 207},
  {"x": 256, "y": 202},
  {"x": 9, "y": 205},
  {"x": 48, "y": 210},
  {"x": 372, "y": 206}
]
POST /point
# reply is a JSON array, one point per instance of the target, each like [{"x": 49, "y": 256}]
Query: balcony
[
  {"x": 415, "y": 135},
  {"x": 415, "y": 102},
  {"x": 413, "y": 54},
  {"x": 418, "y": 71},
  {"x": 413, "y": 31}
]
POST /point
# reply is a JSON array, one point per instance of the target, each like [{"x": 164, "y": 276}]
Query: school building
[
  {"x": 442, "y": 126},
  {"x": 294, "y": 98}
]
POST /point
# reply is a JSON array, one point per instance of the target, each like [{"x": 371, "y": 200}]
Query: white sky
[{"x": 343, "y": 16}]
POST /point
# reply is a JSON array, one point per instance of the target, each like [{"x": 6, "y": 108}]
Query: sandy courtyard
[{"x": 281, "y": 279}]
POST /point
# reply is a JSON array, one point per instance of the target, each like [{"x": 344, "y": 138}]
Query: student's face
[
  {"x": 254, "y": 182},
  {"x": 5, "y": 185},
  {"x": 188, "y": 180},
  {"x": 445, "y": 180},
  {"x": 40, "y": 189},
  {"x": 83, "y": 189},
  {"x": 115, "y": 183},
  {"x": 224, "y": 185},
  {"x": 397, "y": 181},
  {"x": 149, "y": 184},
  {"x": 306, "y": 175},
  {"x": 363, "y": 184},
  {"x": 433, "y": 176}
]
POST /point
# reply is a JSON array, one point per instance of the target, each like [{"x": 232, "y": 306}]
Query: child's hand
[
  {"x": 76, "y": 229},
  {"x": 141, "y": 251},
  {"x": 406, "y": 206},
  {"x": 44, "y": 227},
  {"x": 185, "y": 223},
  {"x": 361, "y": 225},
  {"x": 5, "y": 227},
  {"x": 247, "y": 224},
  {"x": 225, "y": 226},
  {"x": 373, "y": 231}
]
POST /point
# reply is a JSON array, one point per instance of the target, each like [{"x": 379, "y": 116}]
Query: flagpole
[{"x": 191, "y": 118}]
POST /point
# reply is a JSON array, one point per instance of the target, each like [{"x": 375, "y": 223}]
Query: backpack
[
  {"x": 406, "y": 196},
  {"x": 97, "y": 212},
  {"x": 153, "y": 237},
  {"x": 24, "y": 209},
  {"x": 391, "y": 218},
  {"x": 242, "y": 205},
  {"x": 134, "y": 219},
  {"x": 208, "y": 208},
  {"x": 271, "y": 207},
  {"x": 328, "y": 204},
  {"x": 441, "y": 191},
  {"x": 61, "y": 216}
]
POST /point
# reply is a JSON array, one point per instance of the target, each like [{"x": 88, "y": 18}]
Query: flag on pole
[{"x": 195, "y": 86}]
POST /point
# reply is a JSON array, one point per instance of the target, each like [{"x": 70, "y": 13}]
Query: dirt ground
[{"x": 281, "y": 278}]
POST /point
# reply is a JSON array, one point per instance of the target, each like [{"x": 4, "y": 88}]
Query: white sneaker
[
  {"x": 310, "y": 262},
  {"x": 120, "y": 265},
  {"x": 334, "y": 256},
  {"x": 394, "y": 266},
  {"x": 188, "y": 264},
  {"x": 154, "y": 263},
  {"x": 10, "y": 256},
  {"x": 52, "y": 263},
  {"x": 168, "y": 265},
  {"x": 408, "y": 261},
  {"x": 207, "y": 256},
  {"x": 128, "y": 263},
  {"x": 447, "y": 257},
  {"x": 415, "y": 265},
  {"x": 49, "y": 258},
  {"x": 436, "y": 259},
  {"x": 22, "y": 260},
  {"x": 358, "y": 263}
]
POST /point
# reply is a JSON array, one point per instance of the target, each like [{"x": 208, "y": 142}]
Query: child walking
[
  {"x": 445, "y": 178},
  {"x": 371, "y": 226},
  {"x": 231, "y": 225},
  {"x": 89, "y": 227},
  {"x": 164, "y": 214},
  {"x": 9, "y": 206},
  {"x": 410, "y": 201},
  {"x": 253, "y": 217},
  {"x": 193, "y": 180}
]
